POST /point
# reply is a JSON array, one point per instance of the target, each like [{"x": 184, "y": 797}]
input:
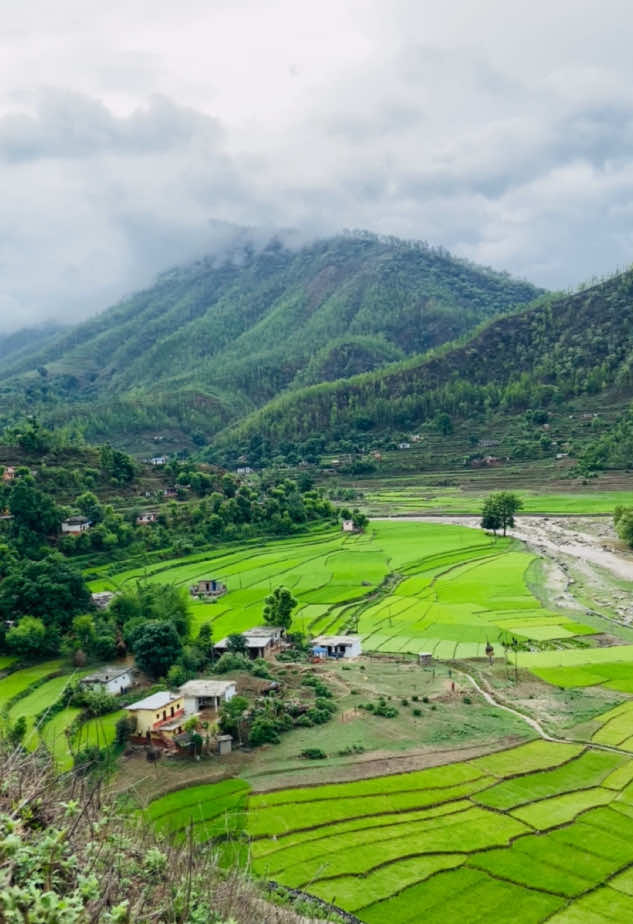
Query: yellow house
[{"x": 156, "y": 710}]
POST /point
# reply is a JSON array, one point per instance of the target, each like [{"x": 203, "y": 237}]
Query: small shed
[
  {"x": 319, "y": 652},
  {"x": 348, "y": 526},
  {"x": 113, "y": 680},
  {"x": 208, "y": 587},
  {"x": 8, "y": 474},
  {"x": 102, "y": 598},
  {"x": 339, "y": 646},
  {"x": 149, "y": 516},
  {"x": 425, "y": 658},
  {"x": 224, "y": 743},
  {"x": 76, "y": 525}
]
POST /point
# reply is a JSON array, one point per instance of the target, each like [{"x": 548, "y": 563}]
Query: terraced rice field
[
  {"x": 423, "y": 499},
  {"x": 35, "y": 696},
  {"x": 610, "y": 667},
  {"x": 529, "y": 834},
  {"x": 458, "y": 589},
  {"x": 208, "y": 811},
  {"x": 99, "y": 732}
]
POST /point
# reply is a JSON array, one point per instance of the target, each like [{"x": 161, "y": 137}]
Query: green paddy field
[
  {"x": 454, "y": 588},
  {"x": 543, "y": 831}
]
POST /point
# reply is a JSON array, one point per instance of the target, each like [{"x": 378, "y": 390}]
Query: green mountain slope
[
  {"x": 211, "y": 342},
  {"x": 559, "y": 353}
]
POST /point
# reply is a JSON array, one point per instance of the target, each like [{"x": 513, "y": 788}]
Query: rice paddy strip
[
  {"x": 585, "y": 771},
  {"x": 99, "y": 732},
  {"x": 549, "y": 835},
  {"x": 22, "y": 679}
]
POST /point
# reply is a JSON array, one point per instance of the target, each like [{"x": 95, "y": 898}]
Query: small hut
[{"x": 208, "y": 588}]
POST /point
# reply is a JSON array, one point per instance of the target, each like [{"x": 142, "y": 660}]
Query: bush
[
  {"x": 123, "y": 729},
  {"x": 263, "y": 731},
  {"x": 387, "y": 712},
  {"x": 425, "y": 699},
  {"x": 404, "y": 702},
  {"x": 304, "y": 721},
  {"x": 415, "y": 697},
  {"x": 325, "y": 704},
  {"x": 467, "y": 700},
  {"x": 313, "y": 754},
  {"x": 232, "y": 662},
  {"x": 417, "y": 712},
  {"x": 318, "y": 716},
  {"x": 260, "y": 669},
  {"x": 352, "y": 749}
]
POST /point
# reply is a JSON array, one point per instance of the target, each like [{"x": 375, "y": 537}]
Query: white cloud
[{"x": 128, "y": 130}]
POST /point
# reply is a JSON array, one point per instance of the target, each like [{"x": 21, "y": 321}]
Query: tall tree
[
  {"x": 499, "y": 510},
  {"x": 279, "y": 607}
]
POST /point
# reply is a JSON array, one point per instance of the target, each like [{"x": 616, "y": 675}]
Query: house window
[
  {"x": 172, "y": 710},
  {"x": 164, "y": 714},
  {"x": 158, "y": 715}
]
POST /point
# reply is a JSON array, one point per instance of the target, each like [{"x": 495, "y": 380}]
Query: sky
[{"x": 134, "y": 135}]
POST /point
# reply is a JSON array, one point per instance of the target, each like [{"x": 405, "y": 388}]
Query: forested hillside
[
  {"x": 556, "y": 351},
  {"x": 213, "y": 341}
]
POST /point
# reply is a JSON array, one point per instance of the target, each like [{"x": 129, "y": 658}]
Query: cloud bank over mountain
[{"x": 132, "y": 137}]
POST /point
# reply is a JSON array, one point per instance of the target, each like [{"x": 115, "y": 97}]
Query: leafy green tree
[
  {"x": 231, "y": 714},
  {"x": 51, "y": 590},
  {"x": 500, "y": 509},
  {"x": 279, "y": 607},
  {"x": 28, "y": 638},
  {"x": 236, "y": 643},
  {"x": 156, "y": 647},
  {"x": 88, "y": 504},
  {"x": 490, "y": 518}
]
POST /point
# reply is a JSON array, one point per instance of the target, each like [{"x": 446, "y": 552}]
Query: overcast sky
[{"x": 128, "y": 129}]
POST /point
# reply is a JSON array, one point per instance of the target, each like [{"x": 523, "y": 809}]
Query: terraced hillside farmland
[
  {"x": 452, "y": 588},
  {"x": 520, "y": 835}
]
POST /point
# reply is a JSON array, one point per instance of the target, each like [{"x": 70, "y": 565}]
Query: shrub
[
  {"x": 387, "y": 712},
  {"x": 425, "y": 699},
  {"x": 232, "y": 662},
  {"x": 123, "y": 729},
  {"x": 260, "y": 669},
  {"x": 467, "y": 700},
  {"x": 417, "y": 712},
  {"x": 318, "y": 716},
  {"x": 304, "y": 721},
  {"x": 405, "y": 702},
  {"x": 415, "y": 697},
  {"x": 326, "y": 704},
  {"x": 263, "y": 731},
  {"x": 313, "y": 754}
]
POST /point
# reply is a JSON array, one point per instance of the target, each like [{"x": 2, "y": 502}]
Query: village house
[
  {"x": 170, "y": 492},
  {"x": 337, "y": 646},
  {"x": 208, "y": 587},
  {"x": 158, "y": 460},
  {"x": 112, "y": 680},
  {"x": 261, "y": 642},
  {"x": 102, "y": 598},
  {"x": 150, "y": 516},
  {"x": 207, "y": 694},
  {"x": 244, "y": 470},
  {"x": 404, "y": 445},
  {"x": 348, "y": 526},
  {"x": 159, "y": 713},
  {"x": 8, "y": 474},
  {"x": 76, "y": 525}
]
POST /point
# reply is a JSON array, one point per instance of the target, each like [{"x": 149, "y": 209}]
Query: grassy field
[
  {"x": 521, "y": 835},
  {"x": 425, "y": 500},
  {"x": 457, "y": 588}
]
